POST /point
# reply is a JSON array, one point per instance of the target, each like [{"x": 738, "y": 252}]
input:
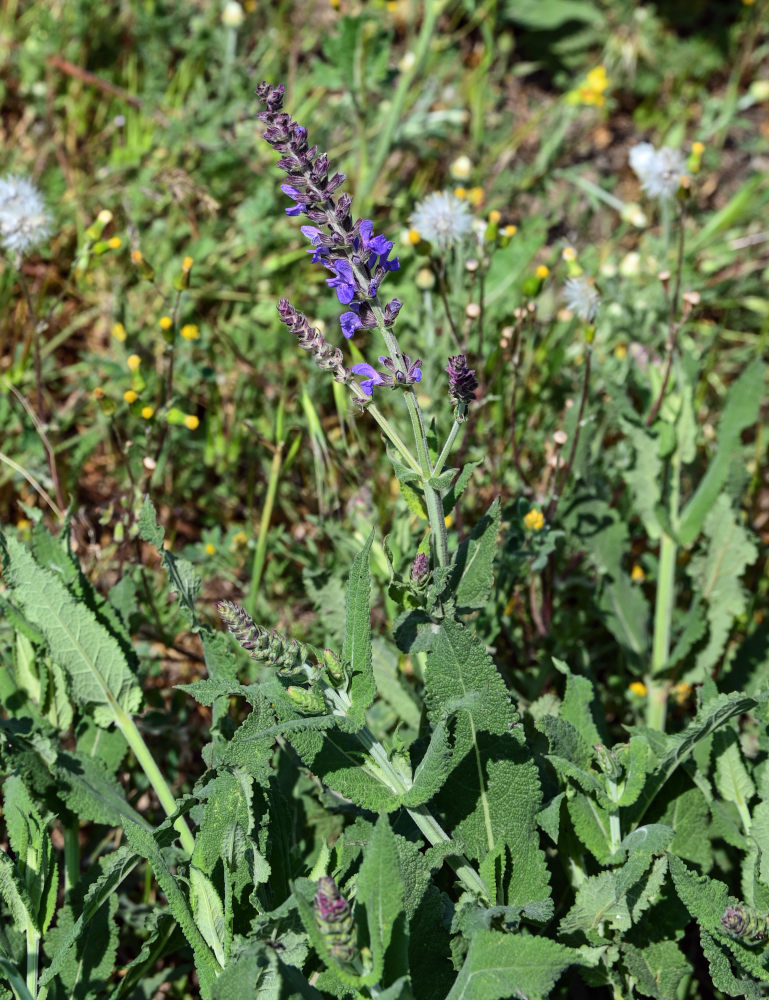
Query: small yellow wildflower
[
  {"x": 118, "y": 332},
  {"x": 136, "y": 256},
  {"x": 166, "y": 322},
  {"x": 190, "y": 332},
  {"x": 240, "y": 538},
  {"x": 638, "y": 687},
  {"x": 510, "y": 230},
  {"x": 98, "y": 393},
  {"x": 414, "y": 237},
  {"x": 698, "y": 148},
  {"x": 569, "y": 254},
  {"x": 475, "y": 196},
  {"x": 460, "y": 192},
  {"x": 542, "y": 271},
  {"x": 620, "y": 352},
  {"x": 494, "y": 217},
  {"x": 114, "y": 243},
  {"x": 448, "y": 520},
  {"x": 592, "y": 89},
  {"x": 187, "y": 264},
  {"x": 681, "y": 692},
  {"x": 637, "y": 574},
  {"x": 210, "y": 549},
  {"x": 130, "y": 396},
  {"x": 191, "y": 422},
  {"x": 534, "y": 520},
  {"x": 133, "y": 361},
  {"x": 148, "y": 412}
]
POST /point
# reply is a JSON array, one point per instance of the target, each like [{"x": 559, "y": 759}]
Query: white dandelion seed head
[
  {"x": 659, "y": 170},
  {"x": 581, "y": 298},
  {"x": 24, "y": 220},
  {"x": 443, "y": 219}
]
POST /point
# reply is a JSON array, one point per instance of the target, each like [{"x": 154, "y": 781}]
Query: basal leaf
[
  {"x": 206, "y": 963},
  {"x": 94, "y": 662},
  {"x": 741, "y": 411},
  {"x": 717, "y": 573}
]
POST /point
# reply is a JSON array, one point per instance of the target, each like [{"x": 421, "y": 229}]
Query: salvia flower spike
[
  {"x": 287, "y": 654},
  {"x": 462, "y": 380},
  {"x": 357, "y": 258},
  {"x": 334, "y": 919}
]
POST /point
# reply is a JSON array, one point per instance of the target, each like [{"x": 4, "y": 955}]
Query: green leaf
[
  {"x": 91, "y": 958},
  {"x": 455, "y": 492},
  {"x": 717, "y": 573},
  {"x": 145, "y": 844},
  {"x": 577, "y": 706},
  {"x": 740, "y": 412},
  {"x": 94, "y": 662},
  {"x": 658, "y": 968},
  {"x": 14, "y": 893},
  {"x": 591, "y": 825},
  {"x": 644, "y": 479},
  {"x": 473, "y": 575},
  {"x": 732, "y": 780},
  {"x": 380, "y": 889},
  {"x": 678, "y": 747},
  {"x": 432, "y": 771},
  {"x": 15, "y": 979},
  {"x": 460, "y": 678},
  {"x": 356, "y": 650},
  {"x": 116, "y": 868},
  {"x": 499, "y": 966},
  {"x": 208, "y": 912}
]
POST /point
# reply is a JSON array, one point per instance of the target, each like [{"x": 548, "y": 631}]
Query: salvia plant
[{"x": 400, "y": 816}]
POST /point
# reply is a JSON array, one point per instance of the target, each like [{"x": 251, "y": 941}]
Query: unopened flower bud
[
  {"x": 310, "y": 702},
  {"x": 334, "y": 919},
  {"x": 334, "y": 669}
]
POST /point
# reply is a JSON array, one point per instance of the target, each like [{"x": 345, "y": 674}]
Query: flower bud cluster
[
  {"x": 358, "y": 259},
  {"x": 462, "y": 380},
  {"x": 287, "y": 654},
  {"x": 334, "y": 919},
  {"x": 310, "y": 339}
]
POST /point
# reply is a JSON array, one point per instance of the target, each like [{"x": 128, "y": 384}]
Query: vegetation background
[{"x": 127, "y": 369}]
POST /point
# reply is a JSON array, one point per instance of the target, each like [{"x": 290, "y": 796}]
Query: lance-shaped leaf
[
  {"x": 472, "y": 577},
  {"x": 96, "y": 667},
  {"x": 380, "y": 889},
  {"x": 741, "y": 411},
  {"x": 356, "y": 650}
]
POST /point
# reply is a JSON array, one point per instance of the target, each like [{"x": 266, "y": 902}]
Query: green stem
[
  {"x": 71, "y": 856},
  {"x": 458, "y": 422},
  {"x": 147, "y": 763},
  {"x": 33, "y": 957},
  {"x": 395, "y": 438},
  {"x": 421, "y": 815},
  {"x": 663, "y": 611},
  {"x": 260, "y": 554},
  {"x": 615, "y": 829}
]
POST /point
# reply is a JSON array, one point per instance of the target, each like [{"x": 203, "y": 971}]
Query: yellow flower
[
  {"x": 136, "y": 256},
  {"x": 460, "y": 192},
  {"x": 118, "y": 332},
  {"x": 620, "y": 352},
  {"x": 637, "y": 574},
  {"x": 148, "y": 412},
  {"x": 414, "y": 237},
  {"x": 115, "y": 243},
  {"x": 133, "y": 361},
  {"x": 210, "y": 549},
  {"x": 191, "y": 422},
  {"x": 475, "y": 196},
  {"x": 681, "y": 692},
  {"x": 190, "y": 332},
  {"x": 569, "y": 254},
  {"x": 130, "y": 396},
  {"x": 510, "y": 230},
  {"x": 187, "y": 264},
  {"x": 166, "y": 322},
  {"x": 98, "y": 393},
  {"x": 542, "y": 271},
  {"x": 639, "y": 688},
  {"x": 534, "y": 520},
  {"x": 240, "y": 538},
  {"x": 494, "y": 217},
  {"x": 698, "y": 148}
]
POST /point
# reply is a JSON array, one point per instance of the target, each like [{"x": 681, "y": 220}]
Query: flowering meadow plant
[{"x": 504, "y": 734}]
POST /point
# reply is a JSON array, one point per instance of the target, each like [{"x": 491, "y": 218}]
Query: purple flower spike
[
  {"x": 462, "y": 380},
  {"x": 350, "y": 323},
  {"x": 344, "y": 282},
  {"x": 373, "y": 377}
]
